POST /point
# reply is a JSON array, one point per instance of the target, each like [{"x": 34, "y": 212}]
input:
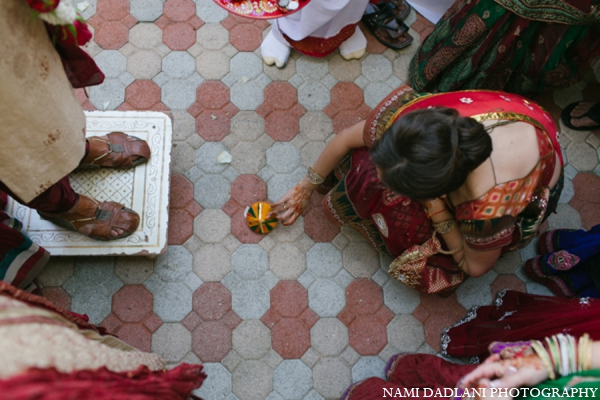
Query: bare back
[{"x": 515, "y": 154}]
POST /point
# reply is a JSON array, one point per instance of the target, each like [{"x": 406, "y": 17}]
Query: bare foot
[{"x": 582, "y": 108}]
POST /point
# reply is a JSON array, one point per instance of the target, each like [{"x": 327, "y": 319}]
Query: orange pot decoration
[{"x": 256, "y": 218}]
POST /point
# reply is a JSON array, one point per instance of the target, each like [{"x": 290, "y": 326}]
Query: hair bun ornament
[
  {"x": 257, "y": 220},
  {"x": 262, "y": 9}
]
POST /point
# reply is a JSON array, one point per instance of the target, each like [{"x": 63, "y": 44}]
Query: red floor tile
[
  {"x": 135, "y": 335},
  {"x": 290, "y": 319},
  {"x": 111, "y": 35},
  {"x": 587, "y": 187},
  {"x": 248, "y": 189},
  {"x": 193, "y": 208},
  {"x": 58, "y": 297},
  {"x": 211, "y": 301},
  {"x": 289, "y": 298},
  {"x": 344, "y": 96},
  {"x": 179, "y": 10},
  {"x": 316, "y": 223},
  {"x": 281, "y": 95},
  {"x": 290, "y": 338},
  {"x": 211, "y": 341},
  {"x": 364, "y": 296},
  {"x": 191, "y": 321},
  {"x": 212, "y": 95},
  {"x": 421, "y": 313},
  {"x": 368, "y": 335},
  {"x": 245, "y": 37},
  {"x": 112, "y": 10},
  {"x": 181, "y": 226},
  {"x": 346, "y": 118},
  {"x": 142, "y": 94},
  {"x": 152, "y": 322},
  {"x": 366, "y": 316},
  {"x": 590, "y": 215},
  {"x": 132, "y": 303},
  {"x": 182, "y": 191},
  {"x": 213, "y": 125},
  {"x": 281, "y": 126},
  {"x": 179, "y": 36}
]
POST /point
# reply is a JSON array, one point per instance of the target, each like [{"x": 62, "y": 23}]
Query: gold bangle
[
  {"x": 313, "y": 177},
  {"x": 588, "y": 364},
  {"x": 461, "y": 263},
  {"x": 444, "y": 227},
  {"x": 538, "y": 347},
  {"x": 450, "y": 252}
]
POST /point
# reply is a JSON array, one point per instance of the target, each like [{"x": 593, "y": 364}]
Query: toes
[
  {"x": 582, "y": 122},
  {"x": 116, "y": 232},
  {"x": 581, "y": 108}
]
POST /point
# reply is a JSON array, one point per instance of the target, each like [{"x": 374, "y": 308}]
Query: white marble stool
[{"x": 144, "y": 189}]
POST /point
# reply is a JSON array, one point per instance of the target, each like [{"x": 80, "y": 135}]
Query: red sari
[
  {"x": 392, "y": 223},
  {"x": 515, "y": 317},
  {"x": 520, "y": 316}
]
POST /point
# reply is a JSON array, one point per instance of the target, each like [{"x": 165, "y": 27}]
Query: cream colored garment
[
  {"x": 57, "y": 342},
  {"x": 42, "y": 124}
]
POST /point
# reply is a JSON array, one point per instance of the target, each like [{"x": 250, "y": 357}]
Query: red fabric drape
[
  {"x": 523, "y": 316},
  {"x": 102, "y": 384}
]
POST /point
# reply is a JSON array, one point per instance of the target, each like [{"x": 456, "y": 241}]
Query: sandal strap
[
  {"x": 120, "y": 153},
  {"x": 594, "y": 113},
  {"x": 96, "y": 220}
]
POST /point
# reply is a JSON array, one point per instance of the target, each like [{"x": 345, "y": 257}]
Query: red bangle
[{"x": 437, "y": 212}]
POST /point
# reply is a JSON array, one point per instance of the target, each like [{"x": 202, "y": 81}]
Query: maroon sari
[{"x": 520, "y": 316}]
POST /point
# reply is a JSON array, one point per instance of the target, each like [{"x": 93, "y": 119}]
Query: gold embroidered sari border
[{"x": 551, "y": 11}]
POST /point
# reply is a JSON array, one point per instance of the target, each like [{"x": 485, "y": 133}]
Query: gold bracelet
[
  {"x": 461, "y": 263},
  {"x": 444, "y": 227},
  {"x": 588, "y": 364},
  {"x": 313, "y": 177},
  {"x": 538, "y": 347},
  {"x": 454, "y": 251}
]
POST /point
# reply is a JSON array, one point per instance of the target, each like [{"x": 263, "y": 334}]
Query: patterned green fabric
[
  {"x": 574, "y": 385},
  {"x": 483, "y": 45}
]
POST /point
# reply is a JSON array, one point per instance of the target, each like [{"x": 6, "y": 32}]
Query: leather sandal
[
  {"x": 96, "y": 220},
  {"x": 401, "y": 8},
  {"x": 116, "y": 150},
  {"x": 379, "y": 24}
]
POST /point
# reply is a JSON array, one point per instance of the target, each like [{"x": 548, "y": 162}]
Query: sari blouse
[{"x": 493, "y": 220}]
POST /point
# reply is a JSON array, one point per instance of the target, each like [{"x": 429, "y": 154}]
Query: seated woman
[
  {"x": 521, "y": 46},
  {"x": 501, "y": 329},
  {"x": 478, "y": 171}
]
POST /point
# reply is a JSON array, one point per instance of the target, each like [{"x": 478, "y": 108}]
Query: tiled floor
[{"x": 308, "y": 309}]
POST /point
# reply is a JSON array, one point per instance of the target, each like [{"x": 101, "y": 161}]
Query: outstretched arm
[
  {"x": 293, "y": 203},
  {"x": 516, "y": 372}
]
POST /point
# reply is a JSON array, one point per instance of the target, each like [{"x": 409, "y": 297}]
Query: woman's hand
[
  {"x": 293, "y": 203},
  {"x": 514, "y": 373}
]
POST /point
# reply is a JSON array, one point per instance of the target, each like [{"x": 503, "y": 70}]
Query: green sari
[
  {"x": 584, "y": 384},
  {"x": 520, "y": 46}
]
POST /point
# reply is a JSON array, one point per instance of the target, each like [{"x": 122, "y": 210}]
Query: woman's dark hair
[{"x": 428, "y": 153}]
